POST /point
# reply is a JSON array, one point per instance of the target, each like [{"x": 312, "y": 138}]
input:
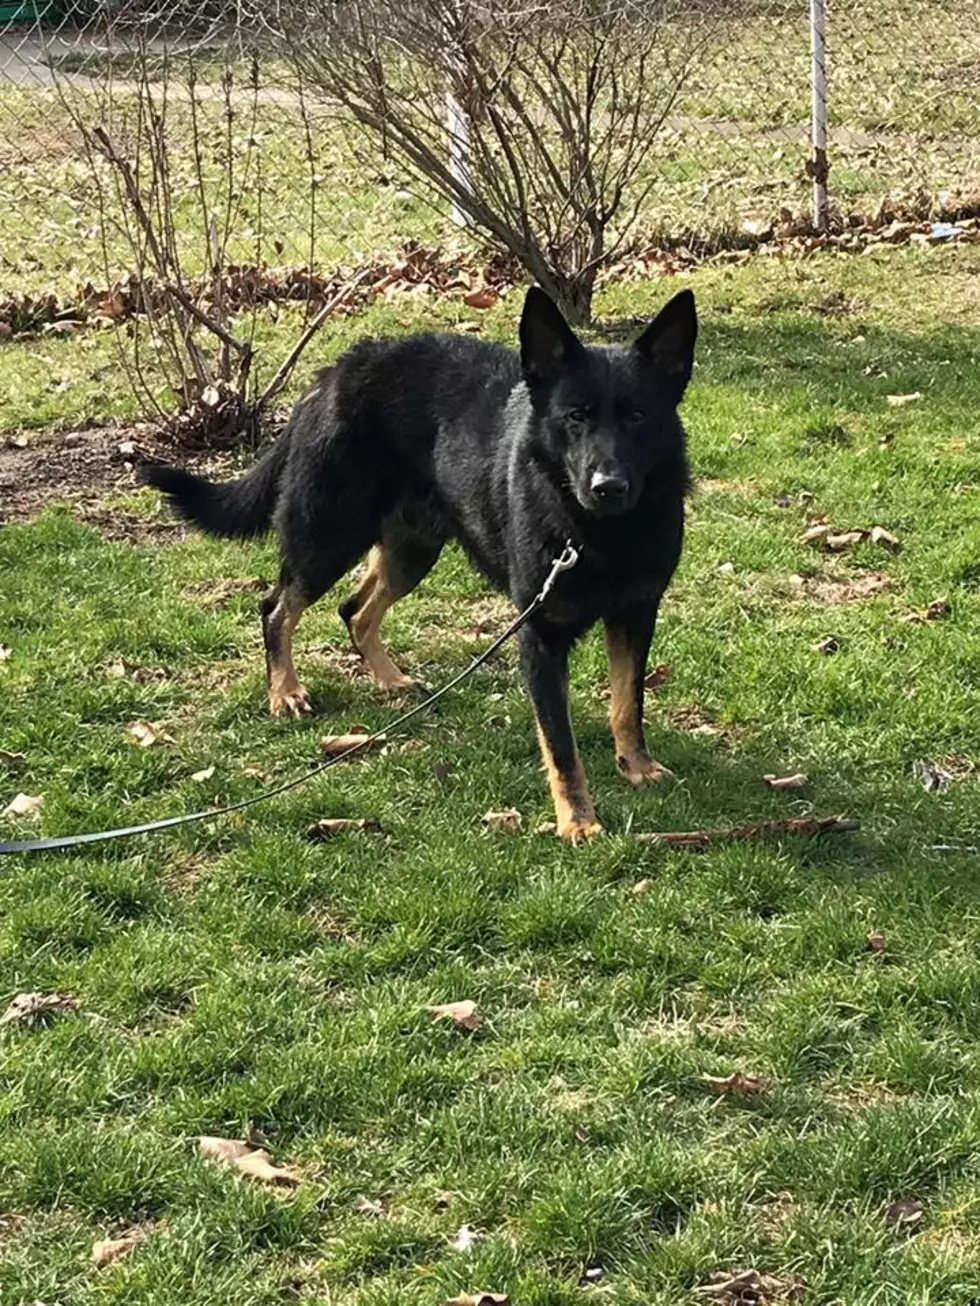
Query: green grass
[{"x": 233, "y": 973}]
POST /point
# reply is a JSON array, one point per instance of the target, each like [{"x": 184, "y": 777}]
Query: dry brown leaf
[
  {"x": 256, "y": 773},
  {"x": 749, "y": 1288},
  {"x": 936, "y": 611},
  {"x": 30, "y": 1006},
  {"x": 368, "y": 1206},
  {"x": 24, "y": 805},
  {"x": 738, "y": 1083},
  {"x": 546, "y": 827},
  {"x": 845, "y": 540},
  {"x": 200, "y": 776},
  {"x": 827, "y": 646},
  {"x": 337, "y": 745},
  {"x": 331, "y": 826},
  {"x": 904, "y": 1211},
  {"x": 796, "y": 781},
  {"x": 463, "y": 1013},
  {"x": 879, "y": 535},
  {"x": 112, "y": 1249},
  {"x": 642, "y": 886},
  {"x": 508, "y": 819},
  {"x": 147, "y": 736},
  {"x": 479, "y": 1299},
  {"x": 657, "y": 677},
  {"x": 899, "y": 401},
  {"x": 815, "y": 533},
  {"x": 481, "y": 298},
  {"x": 876, "y": 941},
  {"x": 253, "y": 1162},
  {"x": 10, "y": 758}
]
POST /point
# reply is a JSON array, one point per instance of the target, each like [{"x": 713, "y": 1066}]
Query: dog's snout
[{"x": 609, "y": 488}]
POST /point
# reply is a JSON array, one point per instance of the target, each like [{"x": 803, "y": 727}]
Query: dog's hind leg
[
  {"x": 628, "y": 643},
  {"x": 395, "y": 567},
  {"x": 281, "y": 612}
]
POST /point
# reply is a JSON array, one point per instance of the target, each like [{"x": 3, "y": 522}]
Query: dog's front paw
[
  {"x": 639, "y": 768},
  {"x": 575, "y": 830},
  {"x": 293, "y": 702}
]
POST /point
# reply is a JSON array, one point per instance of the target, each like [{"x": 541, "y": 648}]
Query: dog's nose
[{"x": 609, "y": 489}]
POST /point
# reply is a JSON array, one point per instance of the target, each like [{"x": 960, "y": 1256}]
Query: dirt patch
[
  {"x": 83, "y": 468},
  {"x": 840, "y": 589},
  {"x": 217, "y": 594}
]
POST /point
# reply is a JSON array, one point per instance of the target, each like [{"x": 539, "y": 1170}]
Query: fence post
[
  {"x": 819, "y": 166},
  {"x": 459, "y": 154}
]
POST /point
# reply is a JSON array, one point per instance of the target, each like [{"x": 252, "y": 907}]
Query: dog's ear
[
  {"x": 668, "y": 342},
  {"x": 548, "y": 343}
]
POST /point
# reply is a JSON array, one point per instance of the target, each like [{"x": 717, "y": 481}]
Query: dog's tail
[{"x": 236, "y": 508}]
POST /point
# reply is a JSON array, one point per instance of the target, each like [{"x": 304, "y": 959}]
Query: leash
[{"x": 567, "y": 559}]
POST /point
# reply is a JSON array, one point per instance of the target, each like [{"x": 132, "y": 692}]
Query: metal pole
[{"x": 818, "y": 166}]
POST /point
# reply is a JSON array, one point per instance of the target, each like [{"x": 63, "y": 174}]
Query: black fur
[{"x": 410, "y": 442}]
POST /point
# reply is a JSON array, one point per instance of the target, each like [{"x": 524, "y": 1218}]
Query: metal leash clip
[{"x": 564, "y": 562}]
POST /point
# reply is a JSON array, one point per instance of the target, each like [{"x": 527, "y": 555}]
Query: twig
[
  {"x": 808, "y": 826},
  {"x": 284, "y": 371}
]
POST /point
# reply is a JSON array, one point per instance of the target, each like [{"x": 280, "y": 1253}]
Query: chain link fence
[{"x": 734, "y": 154}]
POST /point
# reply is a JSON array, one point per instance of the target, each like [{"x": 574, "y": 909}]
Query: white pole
[
  {"x": 818, "y": 167},
  {"x": 459, "y": 154}
]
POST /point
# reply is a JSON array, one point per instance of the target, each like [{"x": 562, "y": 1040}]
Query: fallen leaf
[
  {"x": 904, "y": 1211},
  {"x": 936, "y": 611},
  {"x": 546, "y": 827},
  {"x": 828, "y": 646},
  {"x": 509, "y": 819},
  {"x": 880, "y": 536},
  {"x": 899, "y": 401},
  {"x": 749, "y": 1288},
  {"x": 463, "y": 1013},
  {"x": 479, "y": 1299},
  {"x": 642, "y": 886},
  {"x": 814, "y": 534},
  {"x": 796, "y": 781},
  {"x": 331, "y": 826},
  {"x": 111, "y": 1249},
  {"x": 337, "y": 745},
  {"x": 845, "y": 540},
  {"x": 10, "y": 759},
  {"x": 738, "y": 1083},
  {"x": 727, "y": 568},
  {"x": 5, "y": 652},
  {"x": 875, "y": 941},
  {"x": 200, "y": 776},
  {"x": 368, "y": 1206},
  {"x": 146, "y": 736},
  {"x": 253, "y": 1162},
  {"x": 933, "y": 777},
  {"x": 256, "y": 773},
  {"x": 481, "y": 298},
  {"x": 464, "y": 1239},
  {"x": 657, "y": 677},
  {"x": 31, "y": 1006},
  {"x": 442, "y": 771},
  {"x": 24, "y": 805}
]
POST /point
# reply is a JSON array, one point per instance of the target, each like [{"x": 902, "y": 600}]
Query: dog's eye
[
  {"x": 637, "y": 415},
  {"x": 578, "y": 415}
]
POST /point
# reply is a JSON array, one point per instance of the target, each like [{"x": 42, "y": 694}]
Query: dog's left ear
[{"x": 668, "y": 342}]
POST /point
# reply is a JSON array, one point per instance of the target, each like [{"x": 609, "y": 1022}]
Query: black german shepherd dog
[{"x": 406, "y": 443}]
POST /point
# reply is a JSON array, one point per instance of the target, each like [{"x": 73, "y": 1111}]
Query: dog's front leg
[
  {"x": 545, "y": 664},
  {"x": 628, "y": 638}
]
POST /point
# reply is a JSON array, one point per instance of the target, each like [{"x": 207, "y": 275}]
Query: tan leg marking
[
  {"x": 287, "y": 697},
  {"x": 574, "y": 813},
  {"x": 626, "y": 714},
  {"x": 375, "y": 598}
]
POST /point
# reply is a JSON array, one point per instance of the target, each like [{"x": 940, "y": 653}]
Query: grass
[{"x": 232, "y": 973}]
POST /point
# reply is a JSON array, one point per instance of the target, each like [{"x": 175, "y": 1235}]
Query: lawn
[{"x": 234, "y": 976}]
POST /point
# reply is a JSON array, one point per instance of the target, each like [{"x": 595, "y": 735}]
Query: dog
[{"x": 408, "y": 442}]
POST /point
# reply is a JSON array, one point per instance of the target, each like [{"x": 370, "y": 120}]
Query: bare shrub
[{"x": 554, "y": 107}]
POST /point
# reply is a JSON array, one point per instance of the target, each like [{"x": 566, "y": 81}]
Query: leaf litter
[
  {"x": 464, "y": 1014},
  {"x": 252, "y": 1162},
  {"x": 36, "y": 1006}
]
